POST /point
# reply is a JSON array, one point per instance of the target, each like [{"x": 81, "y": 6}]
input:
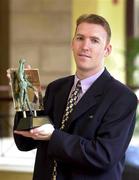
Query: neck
[{"x": 83, "y": 75}]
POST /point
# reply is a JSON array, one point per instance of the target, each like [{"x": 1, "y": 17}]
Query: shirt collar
[{"x": 87, "y": 82}]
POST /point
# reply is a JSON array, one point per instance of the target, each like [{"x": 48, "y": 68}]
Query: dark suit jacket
[{"x": 96, "y": 138}]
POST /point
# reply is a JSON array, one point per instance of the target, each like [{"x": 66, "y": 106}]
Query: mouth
[{"x": 84, "y": 56}]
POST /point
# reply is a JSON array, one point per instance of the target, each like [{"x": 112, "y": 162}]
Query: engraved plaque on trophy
[{"x": 27, "y": 96}]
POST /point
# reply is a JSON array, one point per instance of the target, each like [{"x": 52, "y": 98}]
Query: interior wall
[
  {"x": 4, "y": 63},
  {"x": 4, "y": 39},
  {"x": 40, "y": 32}
]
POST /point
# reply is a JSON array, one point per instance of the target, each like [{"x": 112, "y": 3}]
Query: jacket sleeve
[{"x": 109, "y": 144}]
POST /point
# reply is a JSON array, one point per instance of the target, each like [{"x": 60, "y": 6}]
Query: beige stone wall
[{"x": 40, "y": 31}]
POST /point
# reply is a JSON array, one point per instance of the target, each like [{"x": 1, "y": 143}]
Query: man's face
[{"x": 89, "y": 47}]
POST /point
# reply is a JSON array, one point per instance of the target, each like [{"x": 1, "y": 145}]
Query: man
[{"x": 89, "y": 141}]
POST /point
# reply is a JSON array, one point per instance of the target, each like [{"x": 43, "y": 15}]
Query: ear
[
  {"x": 108, "y": 50},
  {"x": 72, "y": 43}
]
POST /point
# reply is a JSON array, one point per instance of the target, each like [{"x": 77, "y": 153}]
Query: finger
[
  {"x": 41, "y": 137},
  {"x": 27, "y": 66},
  {"x": 44, "y": 130},
  {"x": 23, "y": 133},
  {"x": 35, "y": 130},
  {"x": 8, "y": 72},
  {"x": 18, "y": 132}
]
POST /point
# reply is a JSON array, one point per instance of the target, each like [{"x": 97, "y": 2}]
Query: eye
[
  {"x": 94, "y": 40},
  {"x": 80, "y": 38}
]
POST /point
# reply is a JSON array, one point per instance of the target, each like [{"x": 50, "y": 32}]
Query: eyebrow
[{"x": 92, "y": 37}]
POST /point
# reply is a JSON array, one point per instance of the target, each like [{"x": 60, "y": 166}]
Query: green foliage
[
  {"x": 136, "y": 132},
  {"x": 132, "y": 51}
]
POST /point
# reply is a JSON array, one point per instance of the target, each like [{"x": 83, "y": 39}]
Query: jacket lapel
[{"x": 89, "y": 99}]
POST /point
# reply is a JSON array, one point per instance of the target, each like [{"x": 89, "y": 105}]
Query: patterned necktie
[
  {"x": 72, "y": 101},
  {"x": 70, "y": 104}
]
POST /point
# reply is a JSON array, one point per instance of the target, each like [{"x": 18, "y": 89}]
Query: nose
[{"x": 86, "y": 45}]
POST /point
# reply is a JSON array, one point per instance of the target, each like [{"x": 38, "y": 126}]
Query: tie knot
[{"x": 78, "y": 85}]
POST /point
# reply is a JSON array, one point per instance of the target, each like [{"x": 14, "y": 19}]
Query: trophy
[{"x": 27, "y": 97}]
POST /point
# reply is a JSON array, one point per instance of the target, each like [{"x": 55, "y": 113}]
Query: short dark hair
[{"x": 95, "y": 19}]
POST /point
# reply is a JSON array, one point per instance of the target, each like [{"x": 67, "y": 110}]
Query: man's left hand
[{"x": 43, "y": 132}]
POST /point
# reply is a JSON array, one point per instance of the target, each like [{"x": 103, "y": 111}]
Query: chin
[{"x": 83, "y": 68}]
